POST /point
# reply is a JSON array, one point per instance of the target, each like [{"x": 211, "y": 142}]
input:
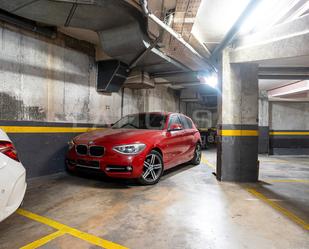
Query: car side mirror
[{"x": 175, "y": 127}]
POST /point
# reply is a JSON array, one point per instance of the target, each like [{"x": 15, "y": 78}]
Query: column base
[
  {"x": 237, "y": 158},
  {"x": 263, "y": 139}
]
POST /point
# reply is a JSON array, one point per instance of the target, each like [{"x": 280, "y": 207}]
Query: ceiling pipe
[
  {"x": 147, "y": 13},
  {"x": 229, "y": 37}
]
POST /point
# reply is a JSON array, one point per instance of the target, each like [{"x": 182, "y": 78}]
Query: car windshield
[{"x": 149, "y": 121}]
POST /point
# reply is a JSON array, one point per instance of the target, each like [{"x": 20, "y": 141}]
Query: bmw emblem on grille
[{"x": 91, "y": 142}]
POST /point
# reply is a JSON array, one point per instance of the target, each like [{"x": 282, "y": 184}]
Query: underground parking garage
[{"x": 154, "y": 124}]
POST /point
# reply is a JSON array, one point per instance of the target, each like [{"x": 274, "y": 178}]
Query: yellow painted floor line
[
  {"x": 69, "y": 230},
  {"x": 288, "y": 180},
  {"x": 205, "y": 161},
  {"x": 44, "y": 240},
  {"x": 282, "y": 210}
]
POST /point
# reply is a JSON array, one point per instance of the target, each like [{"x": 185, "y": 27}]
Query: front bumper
[{"x": 112, "y": 164}]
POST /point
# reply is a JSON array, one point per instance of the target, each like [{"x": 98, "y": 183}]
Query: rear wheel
[
  {"x": 196, "y": 160},
  {"x": 153, "y": 169}
]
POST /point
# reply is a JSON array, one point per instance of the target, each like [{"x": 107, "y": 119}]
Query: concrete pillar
[
  {"x": 263, "y": 122},
  {"x": 237, "y": 158}
]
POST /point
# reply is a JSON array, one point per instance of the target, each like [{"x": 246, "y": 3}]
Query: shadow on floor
[{"x": 100, "y": 180}]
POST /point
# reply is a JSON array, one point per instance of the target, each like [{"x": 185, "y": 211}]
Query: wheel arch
[{"x": 158, "y": 150}]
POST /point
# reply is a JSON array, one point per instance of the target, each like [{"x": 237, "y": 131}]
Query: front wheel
[
  {"x": 196, "y": 160},
  {"x": 153, "y": 169}
]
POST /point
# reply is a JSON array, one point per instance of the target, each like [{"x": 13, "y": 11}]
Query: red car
[{"x": 138, "y": 146}]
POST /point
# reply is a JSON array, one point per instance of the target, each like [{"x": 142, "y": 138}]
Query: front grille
[
  {"x": 96, "y": 151},
  {"x": 88, "y": 164},
  {"x": 82, "y": 149}
]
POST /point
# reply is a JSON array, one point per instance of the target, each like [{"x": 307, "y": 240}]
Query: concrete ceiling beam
[
  {"x": 288, "y": 40},
  {"x": 291, "y": 89}
]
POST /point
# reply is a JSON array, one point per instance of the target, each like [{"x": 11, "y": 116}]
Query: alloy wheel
[
  {"x": 153, "y": 167},
  {"x": 198, "y": 153}
]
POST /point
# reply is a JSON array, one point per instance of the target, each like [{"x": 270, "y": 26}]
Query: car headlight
[
  {"x": 129, "y": 149},
  {"x": 71, "y": 144}
]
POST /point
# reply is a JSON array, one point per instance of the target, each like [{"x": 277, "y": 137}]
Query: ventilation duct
[
  {"x": 139, "y": 80},
  {"x": 111, "y": 75}
]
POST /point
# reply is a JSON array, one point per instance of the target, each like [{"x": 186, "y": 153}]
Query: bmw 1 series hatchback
[{"x": 138, "y": 146}]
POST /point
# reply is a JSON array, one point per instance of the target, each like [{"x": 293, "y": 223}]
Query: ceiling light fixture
[{"x": 209, "y": 79}]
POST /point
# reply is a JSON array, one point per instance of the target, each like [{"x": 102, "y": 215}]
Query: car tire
[
  {"x": 153, "y": 169},
  {"x": 196, "y": 160}
]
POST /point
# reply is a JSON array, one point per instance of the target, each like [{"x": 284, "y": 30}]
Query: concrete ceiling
[{"x": 215, "y": 18}]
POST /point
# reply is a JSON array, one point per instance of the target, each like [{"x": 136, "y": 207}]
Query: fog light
[
  {"x": 129, "y": 168},
  {"x": 71, "y": 162}
]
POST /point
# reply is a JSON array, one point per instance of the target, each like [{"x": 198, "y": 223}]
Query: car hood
[{"x": 118, "y": 136}]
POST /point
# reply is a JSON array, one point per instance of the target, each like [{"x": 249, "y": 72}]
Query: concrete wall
[
  {"x": 41, "y": 81},
  {"x": 289, "y": 115},
  {"x": 288, "y": 118},
  {"x": 46, "y": 83},
  {"x": 202, "y": 116}
]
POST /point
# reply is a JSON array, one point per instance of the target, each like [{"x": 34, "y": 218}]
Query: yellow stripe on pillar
[
  {"x": 289, "y": 133},
  {"x": 239, "y": 133}
]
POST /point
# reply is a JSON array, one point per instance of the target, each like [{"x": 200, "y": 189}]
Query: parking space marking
[
  {"x": 205, "y": 161},
  {"x": 271, "y": 202},
  {"x": 282, "y": 210},
  {"x": 69, "y": 230},
  {"x": 288, "y": 180},
  {"x": 44, "y": 240}
]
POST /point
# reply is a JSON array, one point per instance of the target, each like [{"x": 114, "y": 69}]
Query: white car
[{"x": 12, "y": 178}]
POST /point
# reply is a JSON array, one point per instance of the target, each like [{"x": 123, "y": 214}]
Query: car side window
[
  {"x": 173, "y": 120},
  {"x": 189, "y": 122},
  {"x": 184, "y": 122}
]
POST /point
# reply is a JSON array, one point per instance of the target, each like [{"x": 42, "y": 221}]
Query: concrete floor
[{"x": 187, "y": 209}]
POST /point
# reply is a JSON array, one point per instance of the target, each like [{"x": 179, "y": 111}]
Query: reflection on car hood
[{"x": 117, "y": 136}]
